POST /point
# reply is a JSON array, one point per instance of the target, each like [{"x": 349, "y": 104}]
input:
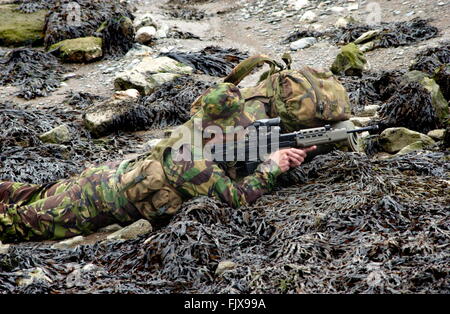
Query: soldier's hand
[{"x": 290, "y": 157}]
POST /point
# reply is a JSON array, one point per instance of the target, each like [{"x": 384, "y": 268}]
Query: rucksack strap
[{"x": 244, "y": 68}]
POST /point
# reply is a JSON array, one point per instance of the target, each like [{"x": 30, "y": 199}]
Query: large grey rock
[
  {"x": 369, "y": 111},
  {"x": 392, "y": 140},
  {"x": 150, "y": 73},
  {"x": 79, "y": 50},
  {"x": 69, "y": 243},
  {"x": 419, "y": 145},
  {"x": 303, "y": 43},
  {"x": 361, "y": 121},
  {"x": 132, "y": 231},
  {"x": 110, "y": 228},
  {"x": 58, "y": 135}
]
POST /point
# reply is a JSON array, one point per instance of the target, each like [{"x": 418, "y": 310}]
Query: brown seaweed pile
[
  {"x": 355, "y": 226},
  {"x": 30, "y": 6},
  {"x": 431, "y": 59},
  {"x": 170, "y": 104},
  {"x": 392, "y": 34},
  {"x": 184, "y": 13},
  {"x": 167, "y": 106},
  {"x": 212, "y": 60},
  {"x": 25, "y": 158},
  {"x": 93, "y": 14},
  {"x": 36, "y": 73}
]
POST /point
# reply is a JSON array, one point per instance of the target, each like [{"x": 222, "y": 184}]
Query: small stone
[
  {"x": 361, "y": 121},
  {"x": 127, "y": 94},
  {"x": 437, "y": 134},
  {"x": 369, "y": 111},
  {"x": 410, "y": 13},
  {"x": 441, "y": 3},
  {"x": 397, "y": 12},
  {"x": 58, "y": 135},
  {"x": 303, "y": 43},
  {"x": 132, "y": 231},
  {"x": 30, "y": 276},
  {"x": 110, "y": 228},
  {"x": 337, "y": 9},
  {"x": 69, "y": 243},
  {"x": 145, "y": 34},
  {"x": 308, "y": 17},
  {"x": 4, "y": 248},
  {"x": 224, "y": 266}
]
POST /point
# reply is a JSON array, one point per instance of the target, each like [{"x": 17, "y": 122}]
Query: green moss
[
  {"x": 19, "y": 29},
  {"x": 349, "y": 61},
  {"x": 440, "y": 105},
  {"x": 83, "y": 49}
]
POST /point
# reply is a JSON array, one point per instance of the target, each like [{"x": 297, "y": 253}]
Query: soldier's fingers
[
  {"x": 297, "y": 153},
  {"x": 309, "y": 149}
]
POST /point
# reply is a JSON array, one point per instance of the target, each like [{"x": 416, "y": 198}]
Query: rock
[
  {"x": 369, "y": 111},
  {"x": 21, "y": 29},
  {"x": 151, "y": 144},
  {"x": 349, "y": 61},
  {"x": 127, "y": 94},
  {"x": 360, "y": 121},
  {"x": 342, "y": 22},
  {"x": 145, "y": 20},
  {"x": 303, "y": 43},
  {"x": 367, "y": 36},
  {"x": 392, "y": 140},
  {"x": 138, "y": 51},
  {"x": 79, "y": 50},
  {"x": 438, "y": 101},
  {"x": 58, "y": 135},
  {"x": 150, "y": 73},
  {"x": 4, "y": 248},
  {"x": 31, "y": 276},
  {"x": 110, "y": 228},
  {"x": 224, "y": 266},
  {"x": 337, "y": 9},
  {"x": 100, "y": 118},
  {"x": 419, "y": 145},
  {"x": 308, "y": 17},
  {"x": 132, "y": 231},
  {"x": 437, "y": 134},
  {"x": 69, "y": 243},
  {"x": 299, "y": 4},
  {"x": 162, "y": 31},
  {"x": 145, "y": 34}
]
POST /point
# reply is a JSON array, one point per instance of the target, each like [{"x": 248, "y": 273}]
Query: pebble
[
  {"x": 303, "y": 43},
  {"x": 69, "y": 243},
  {"x": 224, "y": 266}
]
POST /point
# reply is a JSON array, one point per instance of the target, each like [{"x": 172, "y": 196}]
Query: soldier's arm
[{"x": 202, "y": 177}]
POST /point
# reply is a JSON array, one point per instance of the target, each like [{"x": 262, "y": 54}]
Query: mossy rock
[
  {"x": 440, "y": 104},
  {"x": 349, "y": 61},
  {"x": 21, "y": 29},
  {"x": 79, "y": 50}
]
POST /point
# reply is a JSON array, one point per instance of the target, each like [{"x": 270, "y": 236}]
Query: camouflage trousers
[{"x": 65, "y": 208}]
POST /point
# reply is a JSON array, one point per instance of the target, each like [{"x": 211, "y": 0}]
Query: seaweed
[
  {"x": 36, "y": 72},
  {"x": 93, "y": 15},
  {"x": 214, "y": 61},
  {"x": 118, "y": 36},
  {"x": 354, "y": 225},
  {"x": 430, "y": 59},
  {"x": 181, "y": 12},
  {"x": 81, "y": 100},
  {"x": 392, "y": 34}
]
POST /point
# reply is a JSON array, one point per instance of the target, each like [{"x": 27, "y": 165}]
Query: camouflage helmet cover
[{"x": 222, "y": 105}]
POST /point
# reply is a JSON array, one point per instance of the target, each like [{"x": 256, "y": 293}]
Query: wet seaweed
[
  {"x": 117, "y": 35},
  {"x": 184, "y": 13},
  {"x": 170, "y": 104},
  {"x": 392, "y": 34},
  {"x": 176, "y": 33},
  {"x": 411, "y": 108},
  {"x": 356, "y": 225},
  {"x": 82, "y": 100},
  {"x": 25, "y": 158},
  {"x": 31, "y": 6},
  {"x": 36, "y": 73},
  {"x": 93, "y": 15},
  {"x": 214, "y": 61},
  {"x": 431, "y": 59}
]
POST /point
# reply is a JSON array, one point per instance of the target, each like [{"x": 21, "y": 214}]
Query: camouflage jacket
[{"x": 203, "y": 177}]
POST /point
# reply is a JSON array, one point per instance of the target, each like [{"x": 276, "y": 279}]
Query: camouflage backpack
[{"x": 302, "y": 98}]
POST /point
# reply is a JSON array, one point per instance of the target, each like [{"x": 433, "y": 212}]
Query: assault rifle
[{"x": 264, "y": 138}]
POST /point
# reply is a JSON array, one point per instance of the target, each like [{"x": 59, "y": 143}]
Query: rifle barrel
[{"x": 368, "y": 128}]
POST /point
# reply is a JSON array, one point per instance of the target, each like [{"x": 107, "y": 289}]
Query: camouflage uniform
[{"x": 151, "y": 186}]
